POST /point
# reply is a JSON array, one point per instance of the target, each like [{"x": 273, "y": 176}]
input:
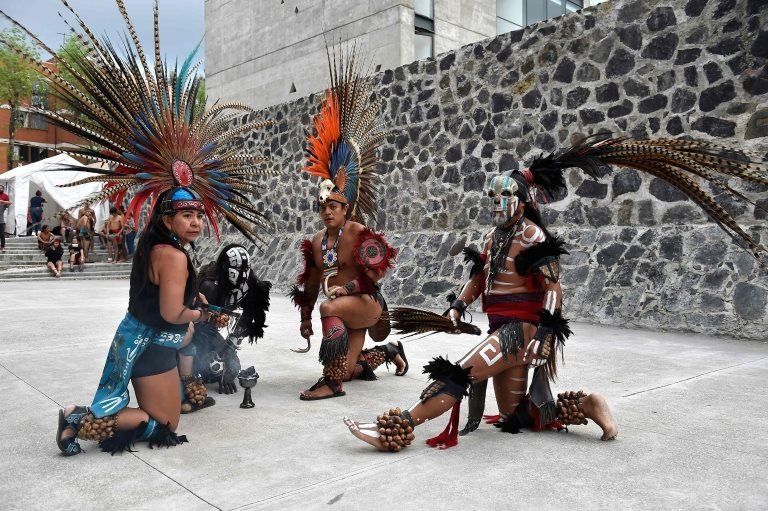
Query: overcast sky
[{"x": 182, "y": 23}]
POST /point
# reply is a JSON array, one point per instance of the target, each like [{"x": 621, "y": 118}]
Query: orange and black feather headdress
[{"x": 347, "y": 134}]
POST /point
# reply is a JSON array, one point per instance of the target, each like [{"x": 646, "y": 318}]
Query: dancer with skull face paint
[
  {"x": 517, "y": 277},
  {"x": 347, "y": 259},
  {"x": 230, "y": 283},
  {"x": 181, "y": 163}
]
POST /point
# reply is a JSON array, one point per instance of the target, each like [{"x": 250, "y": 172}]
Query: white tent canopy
[{"x": 21, "y": 184}]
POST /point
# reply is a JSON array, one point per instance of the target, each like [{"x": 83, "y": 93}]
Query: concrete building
[
  {"x": 34, "y": 138},
  {"x": 265, "y": 53}
]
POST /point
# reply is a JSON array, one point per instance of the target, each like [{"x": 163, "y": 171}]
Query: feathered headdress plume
[
  {"x": 347, "y": 133},
  {"x": 140, "y": 118},
  {"x": 683, "y": 163}
]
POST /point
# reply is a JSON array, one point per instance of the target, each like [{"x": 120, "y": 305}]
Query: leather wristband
[
  {"x": 459, "y": 305},
  {"x": 306, "y": 313},
  {"x": 202, "y": 318}
]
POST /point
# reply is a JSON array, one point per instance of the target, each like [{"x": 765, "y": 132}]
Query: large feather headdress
[
  {"x": 140, "y": 119},
  {"x": 683, "y": 163},
  {"x": 342, "y": 152}
]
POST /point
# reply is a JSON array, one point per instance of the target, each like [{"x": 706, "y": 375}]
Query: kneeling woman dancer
[
  {"x": 163, "y": 289},
  {"x": 141, "y": 118}
]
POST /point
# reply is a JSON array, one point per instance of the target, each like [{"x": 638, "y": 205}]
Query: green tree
[
  {"x": 71, "y": 50},
  {"x": 200, "y": 99},
  {"x": 17, "y": 78}
]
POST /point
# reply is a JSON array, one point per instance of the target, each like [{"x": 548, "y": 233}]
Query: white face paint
[
  {"x": 326, "y": 187},
  {"x": 501, "y": 189}
]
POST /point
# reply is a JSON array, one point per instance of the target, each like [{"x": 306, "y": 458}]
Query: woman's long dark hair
[{"x": 156, "y": 233}]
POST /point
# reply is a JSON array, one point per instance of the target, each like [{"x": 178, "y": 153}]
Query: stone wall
[{"x": 641, "y": 255}]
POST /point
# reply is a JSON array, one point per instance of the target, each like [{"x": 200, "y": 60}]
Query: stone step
[
  {"x": 70, "y": 276},
  {"x": 88, "y": 273},
  {"x": 105, "y": 268},
  {"x": 34, "y": 250},
  {"x": 10, "y": 256}
]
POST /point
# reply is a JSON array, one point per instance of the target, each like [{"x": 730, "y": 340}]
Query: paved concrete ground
[{"x": 691, "y": 411}]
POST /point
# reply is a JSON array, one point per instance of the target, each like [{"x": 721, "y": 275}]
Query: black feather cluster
[
  {"x": 298, "y": 296},
  {"x": 527, "y": 260},
  {"x": 121, "y": 441},
  {"x": 471, "y": 255},
  {"x": 163, "y": 436},
  {"x": 441, "y": 369},
  {"x": 557, "y": 323},
  {"x": 255, "y": 307}
]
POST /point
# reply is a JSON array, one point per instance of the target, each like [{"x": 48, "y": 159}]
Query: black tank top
[{"x": 144, "y": 304}]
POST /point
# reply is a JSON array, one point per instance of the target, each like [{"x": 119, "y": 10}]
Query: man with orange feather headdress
[{"x": 347, "y": 259}]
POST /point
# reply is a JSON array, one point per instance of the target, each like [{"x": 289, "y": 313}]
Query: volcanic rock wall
[{"x": 641, "y": 254}]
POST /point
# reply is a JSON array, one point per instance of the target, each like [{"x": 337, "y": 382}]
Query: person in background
[
  {"x": 130, "y": 234},
  {"x": 66, "y": 227},
  {"x": 45, "y": 239},
  {"x": 5, "y": 204},
  {"x": 76, "y": 256},
  {"x": 53, "y": 254},
  {"x": 84, "y": 225},
  {"x": 114, "y": 234},
  {"x": 122, "y": 249},
  {"x": 35, "y": 213}
]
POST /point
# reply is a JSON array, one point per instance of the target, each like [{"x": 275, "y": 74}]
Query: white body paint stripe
[{"x": 477, "y": 348}]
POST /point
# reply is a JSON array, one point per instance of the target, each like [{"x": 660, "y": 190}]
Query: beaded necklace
[{"x": 331, "y": 256}]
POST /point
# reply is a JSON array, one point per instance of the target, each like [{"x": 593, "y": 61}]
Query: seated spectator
[
  {"x": 66, "y": 227},
  {"x": 45, "y": 239},
  {"x": 54, "y": 254},
  {"x": 76, "y": 255}
]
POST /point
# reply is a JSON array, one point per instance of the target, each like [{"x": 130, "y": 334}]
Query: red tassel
[
  {"x": 450, "y": 435},
  {"x": 491, "y": 419}
]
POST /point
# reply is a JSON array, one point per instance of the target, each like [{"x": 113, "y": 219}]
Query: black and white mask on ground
[
  {"x": 503, "y": 192},
  {"x": 238, "y": 266}
]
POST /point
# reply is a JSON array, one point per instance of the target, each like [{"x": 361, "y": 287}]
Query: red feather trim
[
  {"x": 381, "y": 262},
  {"x": 309, "y": 261}
]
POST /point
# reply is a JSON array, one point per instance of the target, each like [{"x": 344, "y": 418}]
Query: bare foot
[
  {"x": 368, "y": 433},
  {"x": 597, "y": 409}
]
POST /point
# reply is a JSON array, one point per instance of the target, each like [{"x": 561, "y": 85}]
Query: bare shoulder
[
  {"x": 167, "y": 256},
  {"x": 354, "y": 228},
  {"x": 532, "y": 233},
  {"x": 317, "y": 238}
]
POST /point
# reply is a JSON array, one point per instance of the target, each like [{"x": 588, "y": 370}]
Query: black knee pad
[{"x": 448, "y": 378}]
